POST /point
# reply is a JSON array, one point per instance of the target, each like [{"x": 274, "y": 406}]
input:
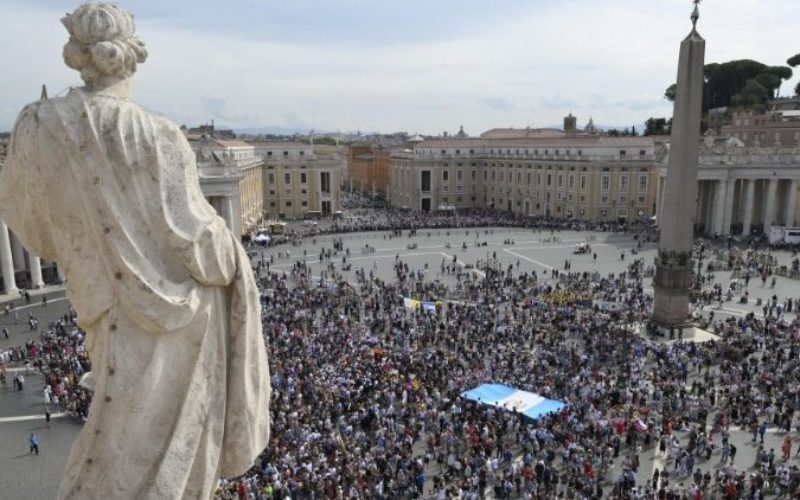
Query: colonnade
[
  {"x": 737, "y": 205},
  {"x": 12, "y": 259}
]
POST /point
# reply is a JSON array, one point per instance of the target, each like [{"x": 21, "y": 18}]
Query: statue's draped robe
[{"x": 163, "y": 290}]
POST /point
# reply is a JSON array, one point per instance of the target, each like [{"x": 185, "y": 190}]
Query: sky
[{"x": 421, "y": 66}]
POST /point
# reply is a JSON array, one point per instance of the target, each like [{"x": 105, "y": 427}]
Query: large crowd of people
[
  {"x": 60, "y": 355},
  {"x": 367, "y": 391}
]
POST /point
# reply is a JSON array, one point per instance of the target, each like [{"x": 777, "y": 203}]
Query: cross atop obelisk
[{"x": 674, "y": 261}]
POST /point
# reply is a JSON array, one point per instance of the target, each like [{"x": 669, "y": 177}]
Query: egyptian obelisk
[{"x": 674, "y": 261}]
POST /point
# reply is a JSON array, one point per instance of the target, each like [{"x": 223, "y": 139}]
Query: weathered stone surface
[
  {"x": 164, "y": 291},
  {"x": 676, "y": 218}
]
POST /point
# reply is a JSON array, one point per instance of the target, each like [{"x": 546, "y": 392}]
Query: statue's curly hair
[{"x": 102, "y": 42}]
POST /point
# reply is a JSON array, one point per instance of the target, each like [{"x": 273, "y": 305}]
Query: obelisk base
[{"x": 671, "y": 303}]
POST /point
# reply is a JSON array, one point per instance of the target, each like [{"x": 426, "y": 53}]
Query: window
[
  {"x": 642, "y": 152},
  {"x": 271, "y": 178},
  {"x": 302, "y": 177},
  {"x": 529, "y": 177},
  {"x": 560, "y": 181},
  {"x": 304, "y": 191},
  {"x": 472, "y": 174},
  {"x": 272, "y": 204},
  {"x": 288, "y": 203},
  {"x": 623, "y": 199},
  {"x": 604, "y": 199},
  {"x": 572, "y": 182},
  {"x": 325, "y": 182},
  {"x": 623, "y": 182},
  {"x": 445, "y": 175},
  {"x": 549, "y": 179},
  {"x": 304, "y": 203},
  {"x": 425, "y": 181},
  {"x": 272, "y": 192},
  {"x": 287, "y": 178},
  {"x": 459, "y": 175},
  {"x": 622, "y": 152},
  {"x": 302, "y": 153},
  {"x": 642, "y": 182},
  {"x": 641, "y": 200},
  {"x": 583, "y": 182},
  {"x": 605, "y": 182}
]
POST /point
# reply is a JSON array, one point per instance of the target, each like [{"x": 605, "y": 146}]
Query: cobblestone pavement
[{"x": 30, "y": 477}]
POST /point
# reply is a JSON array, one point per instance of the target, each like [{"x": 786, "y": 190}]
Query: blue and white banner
[
  {"x": 416, "y": 304},
  {"x": 508, "y": 398}
]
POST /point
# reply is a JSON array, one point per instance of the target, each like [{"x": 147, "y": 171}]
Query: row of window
[
  {"x": 288, "y": 203},
  {"x": 605, "y": 181},
  {"x": 557, "y": 152},
  {"x": 287, "y": 178}
]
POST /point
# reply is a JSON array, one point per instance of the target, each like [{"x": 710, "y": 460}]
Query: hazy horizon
[{"x": 420, "y": 67}]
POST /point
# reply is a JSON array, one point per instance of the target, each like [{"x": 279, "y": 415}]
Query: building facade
[
  {"x": 743, "y": 189},
  {"x": 231, "y": 176},
  {"x": 297, "y": 181},
  {"x": 582, "y": 176},
  {"x": 779, "y": 128},
  {"x": 368, "y": 169}
]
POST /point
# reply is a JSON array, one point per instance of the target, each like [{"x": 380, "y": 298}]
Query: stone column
[
  {"x": 770, "y": 203},
  {"x": 791, "y": 203},
  {"x": 727, "y": 211},
  {"x": 18, "y": 252},
  {"x": 62, "y": 277},
  {"x": 6, "y": 260},
  {"x": 749, "y": 196},
  {"x": 36, "y": 271},
  {"x": 719, "y": 205}
]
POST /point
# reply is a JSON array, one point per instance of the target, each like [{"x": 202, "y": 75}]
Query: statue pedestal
[{"x": 684, "y": 333}]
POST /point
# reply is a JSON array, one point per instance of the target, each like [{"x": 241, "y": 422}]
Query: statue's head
[{"x": 102, "y": 42}]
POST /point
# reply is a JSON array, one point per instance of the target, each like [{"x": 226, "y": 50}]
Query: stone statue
[{"x": 163, "y": 290}]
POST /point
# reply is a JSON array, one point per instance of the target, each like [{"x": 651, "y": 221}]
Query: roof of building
[
  {"x": 521, "y": 133},
  {"x": 232, "y": 143},
  {"x": 587, "y": 140}
]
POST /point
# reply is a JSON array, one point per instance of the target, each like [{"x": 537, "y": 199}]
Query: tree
[
  {"x": 633, "y": 131},
  {"x": 726, "y": 80},
  {"x": 769, "y": 81},
  {"x": 669, "y": 94},
  {"x": 656, "y": 126},
  {"x": 794, "y": 62},
  {"x": 751, "y": 96}
]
